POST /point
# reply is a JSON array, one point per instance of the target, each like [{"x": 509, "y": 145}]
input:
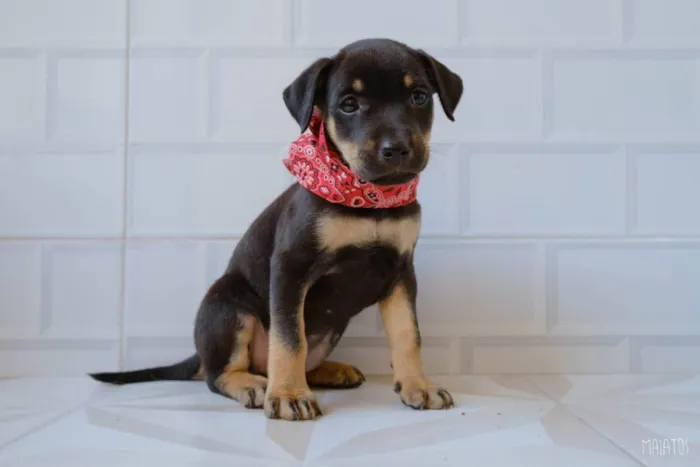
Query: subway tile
[
  {"x": 539, "y": 355},
  {"x": 88, "y": 102},
  {"x": 204, "y": 194},
  {"x": 62, "y": 194},
  {"x": 167, "y": 98},
  {"x": 667, "y": 23},
  {"x": 544, "y": 192},
  {"x": 184, "y": 23},
  {"x": 477, "y": 288},
  {"x": 81, "y": 290},
  {"x": 22, "y": 98},
  {"x": 248, "y": 106},
  {"x": 63, "y": 23},
  {"x": 20, "y": 289},
  {"x": 165, "y": 283},
  {"x": 501, "y": 100},
  {"x": 623, "y": 288},
  {"x": 667, "y": 193},
  {"x": 543, "y": 22},
  {"x": 621, "y": 96},
  {"x": 418, "y": 25}
]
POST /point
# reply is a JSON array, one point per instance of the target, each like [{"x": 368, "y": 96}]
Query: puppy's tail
[{"x": 185, "y": 370}]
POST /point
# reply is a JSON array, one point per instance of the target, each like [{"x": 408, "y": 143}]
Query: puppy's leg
[
  {"x": 335, "y": 375},
  {"x": 223, "y": 335},
  {"x": 236, "y": 381},
  {"x": 398, "y": 312},
  {"x": 288, "y": 394}
]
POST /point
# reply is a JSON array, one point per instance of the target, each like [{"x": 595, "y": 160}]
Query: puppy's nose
[{"x": 394, "y": 151}]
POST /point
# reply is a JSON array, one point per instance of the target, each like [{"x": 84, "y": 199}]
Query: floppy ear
[
  {"x": 301, "y": 95},
  {"x": 448, "y": 84}
]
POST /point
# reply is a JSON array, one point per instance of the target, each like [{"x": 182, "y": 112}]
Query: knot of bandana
[{"x": 321, "y": 171}]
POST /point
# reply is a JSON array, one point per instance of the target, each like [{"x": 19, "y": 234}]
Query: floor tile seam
[
  {"x": 60, "y": 416},
  {"x": 601, "y": 434},
  {"x": 533, "y": 379}
]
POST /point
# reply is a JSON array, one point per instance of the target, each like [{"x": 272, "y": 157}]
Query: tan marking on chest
[{"x": 335, "y": 232}]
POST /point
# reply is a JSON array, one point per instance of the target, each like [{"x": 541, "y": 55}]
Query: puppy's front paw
[
  {"x": 291, "y": 405},
  {"x": 420, "y": 394}
]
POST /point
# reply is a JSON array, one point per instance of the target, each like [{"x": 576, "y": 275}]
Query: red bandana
[{"x": 320, "y": 170}]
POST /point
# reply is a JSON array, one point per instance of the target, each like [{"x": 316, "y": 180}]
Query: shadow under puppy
[{"x": 331, "y": 245}]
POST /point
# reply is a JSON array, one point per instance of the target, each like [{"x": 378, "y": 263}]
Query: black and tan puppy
[{"x": 306, "y": 266}]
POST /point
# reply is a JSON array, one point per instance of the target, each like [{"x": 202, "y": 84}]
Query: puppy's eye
[
  {"x": 419, "y": 98},
  {"x": 349, "y": 105}
]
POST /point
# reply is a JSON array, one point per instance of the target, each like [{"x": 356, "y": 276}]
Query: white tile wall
[
  {"x": 139, "y": 138},
  {"x": 542, "y": 22},
  {"x": 631, "y": 288},
  {"x": 665, "y": 23},
  {"x": 667, "y": 190},
  {"x": 628, "y": 95},
  {"x": 545, "y": 190},
  {"x": 483, "y": 288},
  {"x": 318, "y": 22},
  {"x": 502, "y": 98},
  {"x": 23, "y": 96},
  {"x": 81, "y": 290}
]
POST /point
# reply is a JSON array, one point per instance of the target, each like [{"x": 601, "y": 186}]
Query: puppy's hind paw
[{"x": 335, "y": 375}]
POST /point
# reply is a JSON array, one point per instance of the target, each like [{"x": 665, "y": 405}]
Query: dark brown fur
[{"x": 305, "y": 266}]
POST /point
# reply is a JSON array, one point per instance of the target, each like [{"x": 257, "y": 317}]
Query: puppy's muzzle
[{"x": 394, "y": 152}]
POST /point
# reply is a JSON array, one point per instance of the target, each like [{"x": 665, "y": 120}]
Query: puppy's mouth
[
  {"x": 396, "y": 178},
  {"x": 366, "y": 167},
  {"x": 402, "y": 173}
]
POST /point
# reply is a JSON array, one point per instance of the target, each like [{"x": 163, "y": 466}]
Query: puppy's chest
[
  {"x": 335, "y": 233},
  {"x": 357, "y": 277},
  {"x": 365, "y": 257}
]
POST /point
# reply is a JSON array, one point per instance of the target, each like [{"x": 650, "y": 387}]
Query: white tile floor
[{"x": 562, "y": 421}]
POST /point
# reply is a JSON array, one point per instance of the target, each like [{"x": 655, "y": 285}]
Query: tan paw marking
[
  {"x": 246, "y": 388},
  {"x": 420, "y": 394},
  {"x": 291, "y": 405}
]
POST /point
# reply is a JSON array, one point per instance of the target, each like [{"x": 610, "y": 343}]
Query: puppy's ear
[
  {"x": 448, "y": 84},
  {"x": 305, "y": 90}
]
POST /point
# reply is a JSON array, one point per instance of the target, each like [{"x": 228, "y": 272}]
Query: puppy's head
[{"x": 376, "y": 98}]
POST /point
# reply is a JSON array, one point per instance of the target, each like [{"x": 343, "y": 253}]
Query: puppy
[{"x": 331, "y": 245}]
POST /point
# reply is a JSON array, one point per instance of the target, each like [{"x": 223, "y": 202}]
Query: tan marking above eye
[
  {"x": 358, "y": 85},
  {"x": 408, "y": 80}
]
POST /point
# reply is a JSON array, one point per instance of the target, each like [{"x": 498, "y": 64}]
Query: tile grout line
[
  {"x": 564, "y": 406},
  {"x": 533, "y": 380},
  {"x": 628, "y": 22},
  {"x": 631, "y": 196},
  {"x": 125, "y": 188},
  {"x": 43, "y": 425},
  {"x": 550, "y": 285},
  {"x": 602, "y": 435},
  {"x": 293, "y": 10}
]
